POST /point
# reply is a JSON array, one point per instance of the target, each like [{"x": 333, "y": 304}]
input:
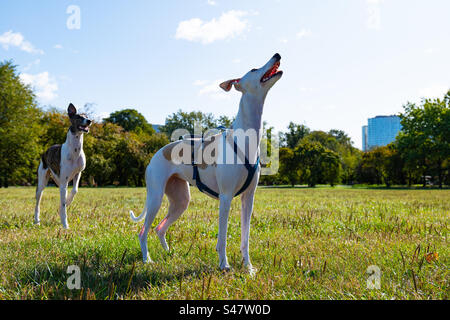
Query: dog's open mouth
[
  {"x": 83, "y": 128},
  {"x": 272, "y": 72}
]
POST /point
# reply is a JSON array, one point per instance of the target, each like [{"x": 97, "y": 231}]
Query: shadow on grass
[{"x": 102, "y": 279}]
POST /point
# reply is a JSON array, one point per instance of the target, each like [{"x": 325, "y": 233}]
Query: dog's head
[
  {"x": 78, "y": 122},
  {"x": 257, "y": 81}
]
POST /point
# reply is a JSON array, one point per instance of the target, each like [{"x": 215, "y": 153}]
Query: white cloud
[
  {"x": 16, "y": 39},
  {"x": 304, "y": 33},
  {"x": 45, "y": 86},
  {"x": 58, "y": 46},
  {"x": 229, "y": 25},
  {"x": 212, "y": 2},
  {"x": 284, "y": 40}
]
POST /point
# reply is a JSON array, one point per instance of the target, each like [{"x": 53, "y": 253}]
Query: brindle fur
[
  {"x": 52, "y": 158},
  {"x": 64, "y": 163}
]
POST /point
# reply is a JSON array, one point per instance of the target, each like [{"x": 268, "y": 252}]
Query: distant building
[
  {"x": 156, "y": 127},
  {"x": 380, "y": 131},
  {"x": 365, "y": 141}
]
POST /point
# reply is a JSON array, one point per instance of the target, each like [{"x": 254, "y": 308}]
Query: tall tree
[
  {"x": 289, "y": 166},
  {"x": 424, "y": 140},
  {"x": 296, "y": 132},
  {"x": 130, "y": 120},
  {"x": 19, "y": 128},
  {"x": 187, "y": 120},
  {"x": 317, "y": 163}
]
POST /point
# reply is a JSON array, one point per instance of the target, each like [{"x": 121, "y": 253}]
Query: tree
[
  {"x": 289, "y": 166},
  {"x": 130, "y": 120},
  {"x": 186, "y": 120},
  {"x": 100, "y": 148},
  {"x": 325, "y": 139},
  {"x": 296, "y": 133},
  {"x": 317, "y": 163},
  {"x": 55, "y": 124},
  {"x": 19, "y": 129},
  {"x": 341, "y": 137},
  {"x": 339, "y": 142},
  {"x": 424, "y": 140},
  {"x": 331, "y": 167}
]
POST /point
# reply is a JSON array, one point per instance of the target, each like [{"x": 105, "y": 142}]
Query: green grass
[{"x": 306, "y": 244}]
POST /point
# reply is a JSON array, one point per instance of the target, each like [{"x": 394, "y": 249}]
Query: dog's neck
[
  {"x": 250, "y": 114},
  {"x": 74, "y": 141}
]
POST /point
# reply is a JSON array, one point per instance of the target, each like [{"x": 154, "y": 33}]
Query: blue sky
[{"x": 343, "y": 61}]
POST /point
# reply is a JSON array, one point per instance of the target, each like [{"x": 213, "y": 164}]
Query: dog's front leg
[
  {"x": 225, "y": 204},
  {"x": 63, "y": 204},
  {"x": 76, "y": 181}
]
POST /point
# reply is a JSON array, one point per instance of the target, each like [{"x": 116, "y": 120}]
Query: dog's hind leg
[
  {"x": 177, "y": 191},
  {"x": 43, "y": 177},
  {"x": 155, "y": 193}
]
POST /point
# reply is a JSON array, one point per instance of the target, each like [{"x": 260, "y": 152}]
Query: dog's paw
[
  {"x": 147, "y": 260},
  {"x": 37, "y": 223},
  {"x": 225, "y": 268},
  {"x": 163, "y": 242},
  {"x": 251, "y": 271}
]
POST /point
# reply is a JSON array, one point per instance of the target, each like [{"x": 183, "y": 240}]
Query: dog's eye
[{"x": 253, "y": 70}]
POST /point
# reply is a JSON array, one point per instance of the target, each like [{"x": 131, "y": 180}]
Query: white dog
[
  {"x": 219, "y": 180},
  {"x": 64, "y": 163}
]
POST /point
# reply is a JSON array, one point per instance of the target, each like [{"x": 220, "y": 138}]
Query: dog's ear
[
  {"x": 71, "y": 110},
  {"x": 227, "y": 84}
]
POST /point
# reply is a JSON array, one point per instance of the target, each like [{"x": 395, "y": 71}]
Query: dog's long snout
[{"x": 277, "y": 56}]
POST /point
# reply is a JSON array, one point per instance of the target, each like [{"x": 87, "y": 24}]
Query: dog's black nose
[
  {"x": 89, "y": 122},
  {"x": 277, "y": 56}
]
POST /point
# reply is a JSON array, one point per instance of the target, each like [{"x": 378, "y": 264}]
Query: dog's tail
[{"x": 142, "y": 215}]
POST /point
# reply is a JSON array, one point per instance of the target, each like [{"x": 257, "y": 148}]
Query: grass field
[{"x": 306, "y": 244}]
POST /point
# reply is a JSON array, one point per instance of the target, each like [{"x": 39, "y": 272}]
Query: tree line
[{"x": 119, "y": 147}]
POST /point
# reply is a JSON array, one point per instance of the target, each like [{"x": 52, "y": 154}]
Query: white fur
[
  {"x": 164, "y": 177},
  {"x": 72, "y": 164}
]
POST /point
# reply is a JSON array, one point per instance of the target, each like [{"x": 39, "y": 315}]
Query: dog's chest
[
  {"x": 73, "y": 160},
  {"x": 73, "y": 156},
  {"x": 76, "y": 161}
]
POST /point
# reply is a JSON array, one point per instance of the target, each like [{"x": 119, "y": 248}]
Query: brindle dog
[{"x": 64, "y": 163}]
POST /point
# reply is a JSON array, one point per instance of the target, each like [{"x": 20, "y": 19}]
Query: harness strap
[{"x": 204, "y": 188}]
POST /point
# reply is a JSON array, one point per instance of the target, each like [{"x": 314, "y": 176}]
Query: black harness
[{"x": 205, "y": 189}]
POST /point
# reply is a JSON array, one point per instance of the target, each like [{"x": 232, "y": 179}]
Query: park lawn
[{"x": 305, "y": 243}]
